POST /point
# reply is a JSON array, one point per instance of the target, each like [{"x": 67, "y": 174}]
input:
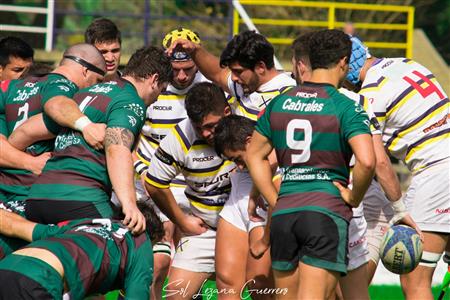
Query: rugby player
[
  {"x": 161, "y": 118},
  {"x": 314, "y": 129},
  {"x": 188, "y": 149},
  {"x": 413, "y": 110},
  {"x": 106, "y": 37},
  {"x": 16, "y": 56},
  {"x": 246, "y": 71},
  {"x": 80, "y": 257}
]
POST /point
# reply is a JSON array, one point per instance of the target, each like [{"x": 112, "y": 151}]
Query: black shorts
[
  {"x": 25, "y": 277},
  {"x": 315, "y": 238}
]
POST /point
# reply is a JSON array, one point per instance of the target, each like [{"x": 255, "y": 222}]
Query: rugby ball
[{"x": 401, "y": 249}]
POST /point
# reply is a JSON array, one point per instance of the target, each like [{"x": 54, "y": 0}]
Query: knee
[{"x": 227, "y": 278}]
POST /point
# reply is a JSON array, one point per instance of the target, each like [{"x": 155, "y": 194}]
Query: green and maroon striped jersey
[
  {"x": 20, "y": 100},
  {"x": 309, "y": 128},
  {"x": 99, "y": 255},
  {"x": 77, "y": 172}
]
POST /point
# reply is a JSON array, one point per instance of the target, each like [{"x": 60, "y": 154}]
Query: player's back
[
  {"x": 309, "y": 127},
  {"x": 98, "y": 255},
  {"x": 412, "y": 108}
]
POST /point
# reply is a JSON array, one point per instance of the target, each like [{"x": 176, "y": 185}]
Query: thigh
[
  {"x": 316, "y": 283},
  {"x": 231, "y": 253},
  {"x": 196, "y": 253},
  {"x": 286, "y": 283}
]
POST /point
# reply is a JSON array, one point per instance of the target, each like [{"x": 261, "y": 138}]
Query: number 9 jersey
[{"x": 309, "y": 127}]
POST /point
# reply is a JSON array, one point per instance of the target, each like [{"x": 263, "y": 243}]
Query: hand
[
  {"x": 182, "y": 45},
  {"x": 408, "y": 220},
  {"x": 193, "y": 225},
  {"x": 37, "y": 163},
  {"x": 346, "y": 194},
  {"x": 253, "y": 203},
  {"x": 94, "y": 134},
  {"x": 134, "y": 219}
]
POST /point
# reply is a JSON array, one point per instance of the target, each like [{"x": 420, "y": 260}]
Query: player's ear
[{"x": 227, "y": 111}]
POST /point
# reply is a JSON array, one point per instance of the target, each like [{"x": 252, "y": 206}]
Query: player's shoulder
[{"x": 182, "y": 135}]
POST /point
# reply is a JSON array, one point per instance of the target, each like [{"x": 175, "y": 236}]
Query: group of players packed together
[{"x": 191, "y": 167}]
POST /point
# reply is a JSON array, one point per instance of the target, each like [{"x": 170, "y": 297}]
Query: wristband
[
  {"x": 140, "y": 167},
  {"x": 81, "y": 123},
  {"x": 399, "y": 206}
]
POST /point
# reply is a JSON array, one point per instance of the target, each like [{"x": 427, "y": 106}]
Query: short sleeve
[
  {"x": 166, "y": 161},
  {"x": 263, "y": 123},
  {"x": 126, "y": 114},
  {"x": 3, "y": 127},
  {"x": 139, "y": 273},
  {"x": 42, "y": 231},
  {"x": 354, "y": 120},
  {"x": 378, "y": 103},
  {"x": 57, "y": 86}
]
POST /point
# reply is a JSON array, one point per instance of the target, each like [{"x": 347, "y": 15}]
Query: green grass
[{"x": 377, "y": 292}]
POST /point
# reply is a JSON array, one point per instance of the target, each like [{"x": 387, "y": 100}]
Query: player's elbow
[{"x": 367, "y": 164}]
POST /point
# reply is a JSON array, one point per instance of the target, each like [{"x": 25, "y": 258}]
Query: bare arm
[
  {"x": 207, "y": 63},
  {"x": 13, "y": 225},
  {"x": 66, "y": 113},
  {"x": 259, "y": 167},
  {"x": 385, "y": 173},
  {"x": 30, "y": 132},
  {"x": 363, "y": 170},
  {"x": 165, "y": 200},
  {"x": 118, "y": 143}
]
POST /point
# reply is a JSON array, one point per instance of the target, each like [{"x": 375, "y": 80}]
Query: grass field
[{"x": 377, "y": 292}]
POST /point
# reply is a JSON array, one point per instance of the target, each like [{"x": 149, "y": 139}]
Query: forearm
[
  {"x": 362, "y": 176},
  {"x": 63, "y": 111},
  {"x": 32, "y": 131},
  {"x": 166, "y": 202},
  {"x": 385, "y": 173},
  {"x": 13, "y": 225},
  {"x": 209, "y": 65},
  {"x": 11, "y": 157},
  {"x": 121, "y": 173},
  {"x": 261, "y": 173}
]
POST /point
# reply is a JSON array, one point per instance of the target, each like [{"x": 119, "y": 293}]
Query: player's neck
[
  {"x": 367, "y": 65},
  {"x": 330, "y": 76},
  {"x": 269, "y": 75}
]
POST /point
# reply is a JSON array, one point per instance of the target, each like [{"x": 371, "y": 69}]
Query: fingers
[
  {"x": 135, "y": 221},
  {"x": 340, "y": 187}
]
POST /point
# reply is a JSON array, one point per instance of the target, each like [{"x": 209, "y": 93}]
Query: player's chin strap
[
  {"x": 399, "y": 208},
  {"x": 429, "y": 259}
]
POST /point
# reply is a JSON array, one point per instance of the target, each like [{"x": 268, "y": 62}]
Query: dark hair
[
  {"x": 102, "y": 30},
  {"x": 37, "y": 70},
  {"x": 231, "y": 133},
  {"x": 203, "y": 99},
  {"x": 16, "y": 47},
  {"x": 300, "y": 46},
  {"x": 153, "y": 224},
  {"x": 327, "y": 47},
  {"x": 147, "y": 61},
  {"x": 248, "y": 48}
]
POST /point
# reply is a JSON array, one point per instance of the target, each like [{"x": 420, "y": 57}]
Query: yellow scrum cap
[{"x": 180, "y": 33}]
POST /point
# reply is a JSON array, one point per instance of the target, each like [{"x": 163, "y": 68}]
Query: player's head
[
  {"x": 300, "y": 58},
  {"x": 153, "y": 224},
  {"x": 360, "y": 54},
  {"x": 248, "y": 55},
  {"x": 149, "y": 65},
  {"x": 37, "y": 69},
  {"x": 184, "y": 68},
  {"x": 206, "y": 105},
  {"x": 231, "y": 138},
  {"x": 15, "y": 57},
  {"x": 330, "y": 49},
  {"x": 85, "y": 63},
  {"x": 106, "y": 37}
]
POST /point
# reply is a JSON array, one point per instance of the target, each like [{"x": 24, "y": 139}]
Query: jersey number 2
[
  {"x": 23, "y": 112},
  {"x": 304, "y": 144}
]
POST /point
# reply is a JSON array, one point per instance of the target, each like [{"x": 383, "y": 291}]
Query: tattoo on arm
[{"x": 119, "y": 136}]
